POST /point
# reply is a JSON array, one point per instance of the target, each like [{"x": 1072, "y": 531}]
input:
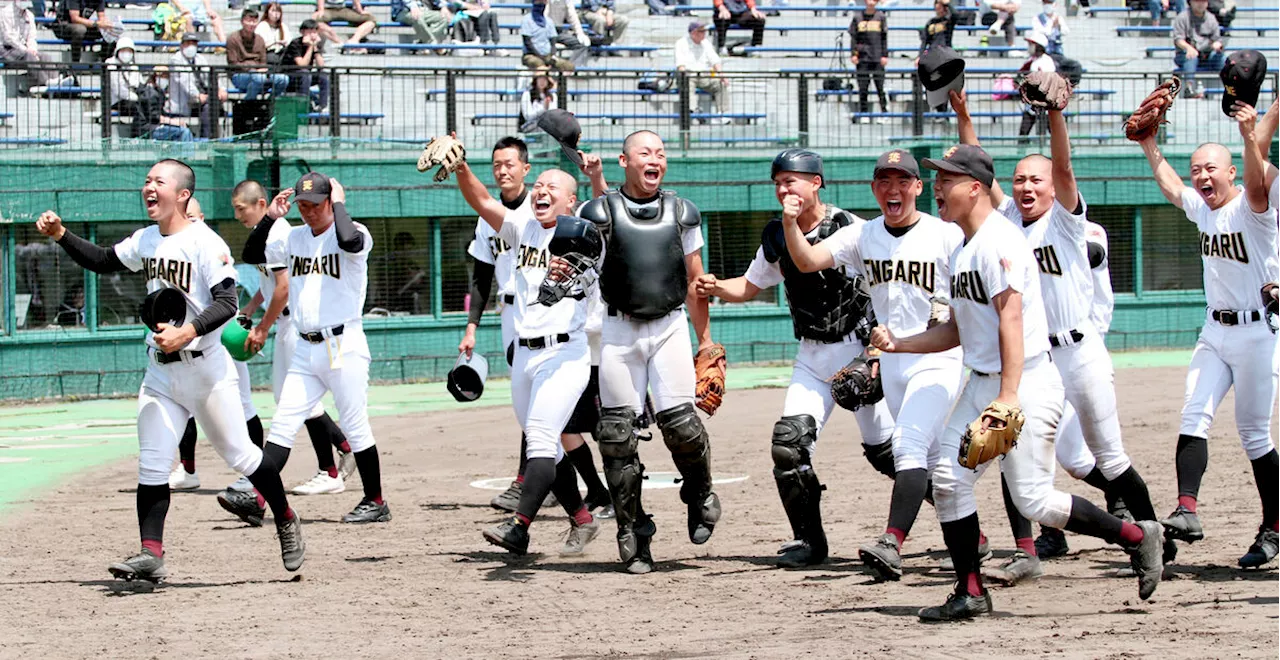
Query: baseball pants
[
  {"x": 203, "y": 387},
  {"x": 1089, "y": 378},
  {"x": 1242, "y": 355},
  {"x": 638, "y": 356},
  {"x": 919, "y": 391},
  {"x": 340, "y": 364},
  {"x": 1072, "y": 452},
  {"x": 546, "y": 384},
  {"x": 245, "y": 389},
  {"x": 1027, "y": 468},
  {"x": 286, "y": 342},
  {"x": 810, "y": 389}
]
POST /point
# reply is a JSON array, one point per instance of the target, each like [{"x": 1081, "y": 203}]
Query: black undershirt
[{"x": 899, "y": 232}]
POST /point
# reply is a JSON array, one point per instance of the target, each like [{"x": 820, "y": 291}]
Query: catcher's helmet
[
  {"x": 234, "y": 335},
  {"x": 164, "y": 305},
  {"x": 798, "y": 160}
]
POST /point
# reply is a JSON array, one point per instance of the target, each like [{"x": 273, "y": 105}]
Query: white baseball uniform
[
  {"x": 552, "y": 362},
  {"x": 1057, "y": 240},
  {"x": 905, "y": 272},
  {"x": 327, "y": 288},
  {"x": 1073, "y": 454},
  {"x": 1239, "y": 250},
  {"x": 994, "y": 260},
  {"x": 486, "y": 247},
  {"x": 202, "y": 383}
]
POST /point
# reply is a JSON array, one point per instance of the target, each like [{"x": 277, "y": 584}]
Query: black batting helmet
[{"x": 798, "y": 160}]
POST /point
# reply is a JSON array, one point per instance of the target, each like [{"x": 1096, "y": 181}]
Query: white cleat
[
  {"x": 241, "y": 485},
  {"x": 180, "y": 479},
  {"x": 321, "y": 484}
]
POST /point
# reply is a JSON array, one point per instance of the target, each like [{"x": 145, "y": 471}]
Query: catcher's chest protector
[
  {"x": 643, "y": 273},
  {"x": 823, "y": 304}
]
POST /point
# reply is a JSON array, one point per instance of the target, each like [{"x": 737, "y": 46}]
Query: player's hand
[
  {"x": 884, "y": 340},
  {"x": 1008, "y": 399},
  {"x": 559, "y": 270},
  {"x": 280, "y": 205},
  {"x": 591, "y": 164},
  {"x": 791, "y": 205},
  {"x": 50, "y": 225},
  {"x": 1246, "y": 116},
  {"x": 172, "y": 338},
  {"x": 468, "y": 342},
  {"x": 705, "y": 285},
  {"x": 722, "y": 13},
  {"x": 257, "y": 338},
  {"x": 337, "y": 194},
  {"x": 959, "y": 102}
]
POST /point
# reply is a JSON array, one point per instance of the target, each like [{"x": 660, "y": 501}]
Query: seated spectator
[
  {"x": 1159, "y": 7},
  {"x": 1223, "y": 10},
  {"x": 190, "y": 93},
  {"x": 1051, "y": 23},
  {"x": 200, "y": 14},
  {"x": 1038, "y": 59},
  {"x": 247, "y": 57},
  {"x": 740, "y": 12},
  {"x": 539, "y": 98},
  {"x": 71, "y": 311},
  {"x": 939, "y": 30},
  {"x": 604, "y": 20},
  {"x": 154, "y": 109},
  {"x": 1199, "y": 43},
  {"x": 474, "y": 20},
  {"x": 307, "y": 54},
  {"x": 126, "y": 79},
  {"x": 18, "y": 44},
  {"x": 430, "y": 24},
  {"x": 328, "y": 11},
  {"x": 870, "y": 31},
  {"x": 1000, "y": 15},
  {"x": 695, "y": 55},
  {"x": 569, "y": 32},
  {"x": 79, "y": 21},
  {"x": 668, "y": 7},
  {"x": 274, "y": 31},
  {"x": 539, "y": 36}
]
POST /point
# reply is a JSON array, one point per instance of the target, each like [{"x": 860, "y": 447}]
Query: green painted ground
[{"x": 43, "y": 444}]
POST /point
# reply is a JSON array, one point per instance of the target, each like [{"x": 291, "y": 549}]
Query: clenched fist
[{"x": 50, "y": 225}]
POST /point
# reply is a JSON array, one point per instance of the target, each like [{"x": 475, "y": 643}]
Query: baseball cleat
[
  {"x": 984, "y": 555},
  {"x": 180, "y": 479},
  {"x": 346, "y": 464},
  {"x": 550, "y": 501},
  {"x": 142, "y": 566},
  {"x": 1147, "y": 558},
  {"x": 509, "y": 499},
  {"x": 578, "y": 537},
  {"x": 1051, "y": 543},
  {"x": 1120, "y": 510},
  {"x": 641, "y": 560},
  {"x": 597, "y": 500},
  {"x": 292, "y": 547},
  {"x": 605, "y": 512},
  {"x": 957, "y": 608},
  {"x": 510, "y": 535},
  {"x": 242, "y": 484},
  {"x": 368, "y": 511},
  {"x": 882, "y": 557},
  {"x": 1020, "y": 566},
  {"x": 798, "y": 554},
  {"x": 320, "y": 484},
  {"x": 1183, "y": 525},
  {"x": 243, "y": 506},
  {"x": 1264, "y": 549},
  {"x": 703, "y": 517}
]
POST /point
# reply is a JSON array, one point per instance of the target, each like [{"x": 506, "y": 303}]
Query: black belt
[
  {"x": 285, "y": 311},
  {"x": 170, "y": 358},
  {"x": 539, "y": 343},
  {"x": 1232, "y": 317},
  {"x": 1048, "y": 356},
  {"x": 508, "y": 299},
  {"x": 1076, "y": 337},
  {"x": 318, "y": 337}
]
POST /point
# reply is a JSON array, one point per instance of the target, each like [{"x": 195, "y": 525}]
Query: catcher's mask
[{"x": 579, "y": 244}]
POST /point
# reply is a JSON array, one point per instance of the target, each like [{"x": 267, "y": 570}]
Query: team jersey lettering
[
  {"x": 532, "y": 257},
  {"x": 1047, "y": 260},
  {"x": 969, "y": 285},
  {"x": 498, "y": 246},
  {"x": 869, "y": 26},
  {"x": 1224, "y": 246},
  {"x": 328, "y": 264},
  {"x": 177, "y": 273},
  {"x": 916, "y": 273},
  {"x": 935, "y": 28}
]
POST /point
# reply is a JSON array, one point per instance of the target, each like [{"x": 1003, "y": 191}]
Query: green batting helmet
[{"x": 234, "y": 335}]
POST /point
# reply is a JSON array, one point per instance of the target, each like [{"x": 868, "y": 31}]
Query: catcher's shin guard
[
  {"x": 690, "y": 446},
  {"x": 623, "y": 472},
  {"x": 881, "y": 458},
  {"x": 798, "y": 484}
]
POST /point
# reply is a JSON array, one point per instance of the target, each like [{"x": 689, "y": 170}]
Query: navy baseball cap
[
  {"x": 1242, "y": 78},
  {"x": 312, "y": 187},
  {"x": 965, "y": 159},
  {"x": 897, "y": 160}
]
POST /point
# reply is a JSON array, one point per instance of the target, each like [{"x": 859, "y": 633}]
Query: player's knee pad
[
  {"x": 616, "y": 433},
  {"x": 683, "y": 433},
  {"x": 881, "y": 458},
  {"x": 792, "y": 437}
]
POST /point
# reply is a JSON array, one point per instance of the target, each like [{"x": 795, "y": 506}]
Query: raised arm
[
  {"x": 89, "y": 256},
  {"x": 349, "y": 238},
  {"x": 808, "y": 258},
  {"x": 1170, "y": 183},
  {"x": 969, "y": 135},
  {"x": 478, "y": 198},
  {"x": 1064, "y": 177},
  {"x": 1255, "y": 166}
]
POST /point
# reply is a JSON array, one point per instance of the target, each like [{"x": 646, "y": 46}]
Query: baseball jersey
[
  {"x": 531, "y": 257},
  {"x": 1058, "y": 243},
  {"x": 1273, "y": 194},
  {"x": 1104, "y": 302},
  {"x": 192, "y": 261},
  {"x": 903, "y": 272},
  {"x": 994, "y": 260},
  {"x": 277, "y": 258},
  {"x": 764, "y": 274},
  {"x": 1238, "y": 248},
  {"x": 486, "y": 247},
  {"x": 326, "y": 283}
]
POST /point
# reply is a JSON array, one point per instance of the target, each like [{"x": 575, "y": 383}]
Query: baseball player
[
  {"x": 327, "y": 259},
  {"x": 999, "y": 321},
  {"x": 645, "y": 344},
  {"x": 264, "y": 250},
  {"x": 189, "y": 373},
  {"x": 494, "y": 258},
  {"x": 828, "y": 319},
  {"x": 1047, "y": 206},
  {"x": 1237, "y": 346},
  {"x": 904, "y": 255},
  {"x": 552, "y": 360}
]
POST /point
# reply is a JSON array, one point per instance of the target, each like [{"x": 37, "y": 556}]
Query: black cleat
[
  {"x": 984, "y": 555},
  {"x": 1183, "y": 525},
  {"x": 1120, "y": 510},
  {"x": 1147, "y": 558},
  {"x": 508, "y": 499},
  {"x": 882, "y": 557},
  {"x": 798, "y": 554},
  {"x": 142, "y": 566},
  {"x": 368, "y": 511},
  {"x": 243, "y": 505},
  {"x": 292, "y": 547},
  {"x": 1051, "y": 543},
  {"x": 1264, "y": 549},
  {"x": 509, "y": 535},
  {"x": 641, "y": 561},
  {"x": 958, "y": 608},
  {"x": 703, "y": 517}
]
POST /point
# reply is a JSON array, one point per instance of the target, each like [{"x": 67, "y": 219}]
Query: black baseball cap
[
  {"x": 1242, "y": 78},
  {"x": 190, "y": 36},
  {"x": 563, "y": 127},
  {"x": 312, "y": 187},
  {"x": 965, "y": 159},
  {"x": 941, "y": 70},
  {"x": 899, "y": 160}
]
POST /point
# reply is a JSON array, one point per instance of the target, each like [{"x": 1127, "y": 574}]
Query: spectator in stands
[
  {"x": 1159, "y": 7},
  {"x": 190, "y": 92},
  {"x": 1000, "y": 15},
  {"x": 18, "y": 43},
  {"x": 71, "y": 311},
  {"x": 539, "y": 98},
  {"x": 274, "y": 31},
  {"x": 668, "y": 7},
  {"x": 1224, "y": 11},
  {"x": 742, "y": 13},
  {"x": 605, "y": 20},
  {"x": 474, "y": 20},
  {"x": 126, "y": 79},
  {"x": 201, "y": 15},
  {"x": 939, "y": 30},
  {"x": 247, "y": 55},
  {"x": 1037, "y": 60},
  {"x": 430, "y": 24},
  {"x": 328, "y": 11},
  {"x": 695, "y": 55},
  {"x": 870, "y": 32},
  {"x": 1199, "y": 43},
  {"x": 1052, "y": 24},
  {"x": 569, "y": 30},
  {"x": 79, "y": 21},
  {"x": 154, "y": 109},
  {"x": 539, "y": 35},
  {"x": 307, "y": 54}
]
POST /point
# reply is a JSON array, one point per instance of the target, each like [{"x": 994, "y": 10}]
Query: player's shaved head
[
  {"x": 1036, "y": 160},
  {"x": 563, "y": 178},
  {"x": 641, "y": 137},
  {"x": 1033, "y": 191},
  {"x": 194, "y": 211},
  {"x": 181, "y": 173},
  {"x": 1213, "y": 175},
  {"x": 248, "y": 191},
  {"x": 1211, "y": 152}
]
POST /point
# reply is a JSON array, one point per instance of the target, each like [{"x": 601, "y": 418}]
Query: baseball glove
[
  {"x": 939, "y": 311},
  {"x": 1269, "y": 299},
  {"x": 1044, "y": 89},
  {"x": 709, "y": 365},
  {"x": 991, "y": 435},
  {"x": 1146, "y": 120},
  {"x": 858, "y": 383},
  {"x": 164, "y": 305},
  {"x": 445, "y": 151}
]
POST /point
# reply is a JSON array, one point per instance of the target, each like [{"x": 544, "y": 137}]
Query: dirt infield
[{"x": 427, "y": 586}]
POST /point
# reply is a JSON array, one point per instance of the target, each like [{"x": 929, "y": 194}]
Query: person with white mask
[{"x": 189, "y": 91}]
